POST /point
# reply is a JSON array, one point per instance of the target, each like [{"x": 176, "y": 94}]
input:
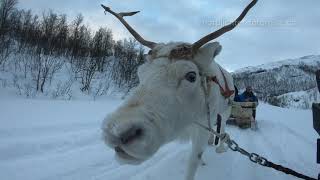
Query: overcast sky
[{"x": 273, "y": 30}]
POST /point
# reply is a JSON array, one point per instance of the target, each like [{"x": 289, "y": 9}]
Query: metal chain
[
  {"x": 253, "y": 157},
  {"x": 225, "y": 138},
  {"x": 257, "y": 159}
]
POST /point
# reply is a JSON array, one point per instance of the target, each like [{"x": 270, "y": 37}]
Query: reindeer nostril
[
  {"x": 119, "y": 150},
  {"x": 138, "y": 132},
  {"x": 131, "y": 135}
]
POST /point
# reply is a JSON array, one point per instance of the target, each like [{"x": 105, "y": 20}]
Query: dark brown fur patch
[
  {"x": 183, "y": 51},
  {"x": 134, "y": 104}
]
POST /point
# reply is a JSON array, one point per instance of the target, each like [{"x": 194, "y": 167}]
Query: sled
[{"x": 242, "y": 115}]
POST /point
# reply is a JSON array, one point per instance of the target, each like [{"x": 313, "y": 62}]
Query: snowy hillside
[
  {"x": 289, "y": 83},
  {"x": 42, "y": 139}
]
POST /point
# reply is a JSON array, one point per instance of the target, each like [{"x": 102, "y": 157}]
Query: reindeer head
[{"x": 168, "y": 98}]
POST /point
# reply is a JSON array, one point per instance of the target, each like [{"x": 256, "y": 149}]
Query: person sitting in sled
[{"x": 248, "y": 96}]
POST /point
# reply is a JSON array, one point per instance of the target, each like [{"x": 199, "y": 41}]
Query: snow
[
  {"x": 53, "y": 139},
  {"x": 300, "y": 99}
]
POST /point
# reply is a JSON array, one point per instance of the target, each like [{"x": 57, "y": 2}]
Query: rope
[{"x": 288, "y": 171}]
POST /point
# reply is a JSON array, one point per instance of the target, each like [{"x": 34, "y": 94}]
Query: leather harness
[{"x": 225, "y": 92}]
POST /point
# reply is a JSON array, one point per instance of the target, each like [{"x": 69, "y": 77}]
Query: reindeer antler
[
  {"x": 120, "y": 16},
  {"x": 223, "y": 30}
]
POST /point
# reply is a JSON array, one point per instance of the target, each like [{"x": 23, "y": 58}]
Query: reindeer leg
[
  {"x": 198, "y": 145},
  {"x": 202, "y": 162}
]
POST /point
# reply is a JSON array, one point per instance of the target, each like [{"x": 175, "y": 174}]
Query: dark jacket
[
  {"x": 318, "y": 79},
  {"x": 248, "y": 97},
  {"x": 236, "y": 95}
]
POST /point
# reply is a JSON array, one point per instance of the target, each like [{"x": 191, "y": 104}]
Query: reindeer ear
[
  {"x": 206, "y": 55},
  {"x": 217, "y": 49},
  {"x": 209, "y": 51}
]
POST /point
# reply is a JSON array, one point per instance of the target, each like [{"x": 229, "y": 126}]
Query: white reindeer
[{"x": 176, "y": 81}]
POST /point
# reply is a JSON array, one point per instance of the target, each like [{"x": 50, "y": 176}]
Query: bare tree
[
  {"x": 38, "y": 47},
  {"x": 75, "y": 35},
  {"x": 6, "y": 7}
]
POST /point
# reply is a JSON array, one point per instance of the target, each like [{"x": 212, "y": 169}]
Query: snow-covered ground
[{"x": 46, "y": 139}]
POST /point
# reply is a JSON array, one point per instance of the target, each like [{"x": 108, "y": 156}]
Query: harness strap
[
  {"x": 219, "y": 119},
  {"x": 212, "y": 139},
  {"x": 206, "y": 88},
  {"x": 225, "y": 92}
]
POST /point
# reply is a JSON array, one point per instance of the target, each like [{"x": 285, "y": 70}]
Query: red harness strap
[{"x": 225, "y": 92}]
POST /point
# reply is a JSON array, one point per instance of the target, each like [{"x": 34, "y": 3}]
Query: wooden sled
[{"x": 242, "y": 115}]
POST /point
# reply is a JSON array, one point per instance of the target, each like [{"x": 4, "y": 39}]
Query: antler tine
[
  {"x": 120, "y": 16},
  {"x": 196, "y": 46}
]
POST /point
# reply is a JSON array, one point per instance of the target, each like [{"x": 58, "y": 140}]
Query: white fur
[{"x": 165, "y": 105}]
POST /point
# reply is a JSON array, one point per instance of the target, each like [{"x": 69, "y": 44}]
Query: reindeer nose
[{"x": 131, "y": 134}]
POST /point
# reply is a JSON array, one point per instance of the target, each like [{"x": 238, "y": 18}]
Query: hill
[{"x": 288, "y": 83}]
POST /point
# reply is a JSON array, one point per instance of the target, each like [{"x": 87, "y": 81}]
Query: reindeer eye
[{"x": 191, "y": 77}]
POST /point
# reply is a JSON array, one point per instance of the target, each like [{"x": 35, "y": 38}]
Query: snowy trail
[{"x": 49, "y": 140}]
